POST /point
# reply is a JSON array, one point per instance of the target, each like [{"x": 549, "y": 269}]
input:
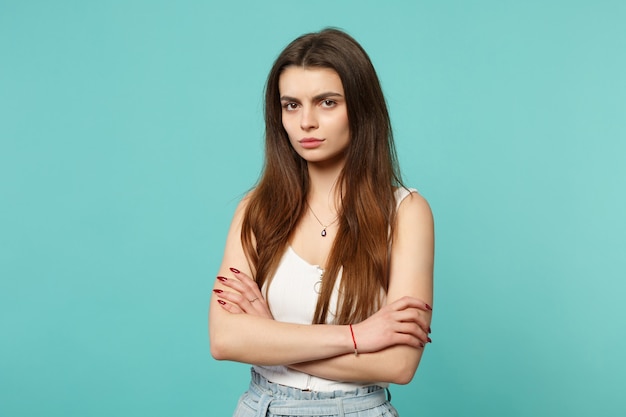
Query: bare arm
[
  {"x": 255, "y": 339},
  {"x": 411, "y": 274}
]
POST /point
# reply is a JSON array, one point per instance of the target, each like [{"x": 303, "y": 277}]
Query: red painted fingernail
[
  {"x": 429, "y": 331},
  {"x": 218, "y": 291},
  {"x": 222, "y": 278},
  {"x": 421, "y": 344},
  {"x": 430, "y": 340},
  {"x": 235, "y": 270},
  {"x": 222, "y": 302},
  {"x": 428, "y": 307}
]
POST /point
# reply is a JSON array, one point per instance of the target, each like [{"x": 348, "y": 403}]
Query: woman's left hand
[{"x": 246, "y": 297}]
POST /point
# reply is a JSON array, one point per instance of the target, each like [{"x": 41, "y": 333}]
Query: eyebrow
[{"x": 316, "y": 98}]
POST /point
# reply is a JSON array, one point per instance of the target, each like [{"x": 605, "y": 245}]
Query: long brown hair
[{"x": 366, "y": 183}]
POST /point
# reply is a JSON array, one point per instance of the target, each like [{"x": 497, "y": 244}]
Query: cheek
[
  {"x": 287, "y": 125},
  {"x": 344, "y": 125},
  {"x": 291, "y": 134},
  {"x": 341, "y": 119}
]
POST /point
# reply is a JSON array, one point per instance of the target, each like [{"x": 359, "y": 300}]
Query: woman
[{"x": 326, "y": 282}]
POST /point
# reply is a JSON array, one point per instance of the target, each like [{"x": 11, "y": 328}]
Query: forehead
[{"x": 309, "y": 81}]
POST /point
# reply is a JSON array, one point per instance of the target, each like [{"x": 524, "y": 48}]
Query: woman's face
[{"x": 314, "y": 113}]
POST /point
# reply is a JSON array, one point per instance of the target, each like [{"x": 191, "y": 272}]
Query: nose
[{"x": 308, "y": 119}]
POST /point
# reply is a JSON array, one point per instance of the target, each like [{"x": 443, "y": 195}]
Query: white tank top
[{"x": 292, "y": 297}]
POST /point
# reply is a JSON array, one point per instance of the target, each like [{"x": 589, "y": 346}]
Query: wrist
[{"x": 356, "y": 350}]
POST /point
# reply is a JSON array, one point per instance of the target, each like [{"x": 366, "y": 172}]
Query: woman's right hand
[
  {"x": 245, "y": 297},
  {"x": 403, "y": 322}
]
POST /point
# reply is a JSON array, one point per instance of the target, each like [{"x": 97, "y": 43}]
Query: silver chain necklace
[{"x": 324, "y": 226}]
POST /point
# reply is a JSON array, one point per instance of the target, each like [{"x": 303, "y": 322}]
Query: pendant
[{"x": 324, "y": 232}]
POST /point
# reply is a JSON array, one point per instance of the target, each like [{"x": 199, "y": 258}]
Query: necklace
[{"x": 324, "y": 226}]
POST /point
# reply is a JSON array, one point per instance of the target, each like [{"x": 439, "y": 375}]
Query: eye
[
  {"x": 290, "y": 106},
  {"x": 328, "y": 103}
]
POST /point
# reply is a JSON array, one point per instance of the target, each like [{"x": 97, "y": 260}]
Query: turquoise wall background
[{"x": 130, "y": 129}]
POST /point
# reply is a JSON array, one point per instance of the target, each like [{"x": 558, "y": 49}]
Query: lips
[{"x": 310, "y": 143}]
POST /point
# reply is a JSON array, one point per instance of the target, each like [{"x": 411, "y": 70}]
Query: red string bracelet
[{"x": 356, "y": 352}]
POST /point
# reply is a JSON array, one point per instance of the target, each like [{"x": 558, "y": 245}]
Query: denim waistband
[{"x": 284, "y": 400}]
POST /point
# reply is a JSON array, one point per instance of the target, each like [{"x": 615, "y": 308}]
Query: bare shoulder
[
  {"x": 412, "y": 250},
  {"x": 233, "y": 251},
  {"x": 413, "y": 240},
  {"x": 243, "y": 203},
  {"x": 240, "y": 211},
  {"x": 414, "y": 210}
]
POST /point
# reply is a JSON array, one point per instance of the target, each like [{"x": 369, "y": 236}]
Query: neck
[{"x": 323, "y": 186}]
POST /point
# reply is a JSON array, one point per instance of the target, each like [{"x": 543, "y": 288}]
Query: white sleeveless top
[{"x": 292, "y": 297}]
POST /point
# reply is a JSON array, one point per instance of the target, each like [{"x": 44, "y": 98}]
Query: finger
[
  {"x": 249, "y": 292},
  {"x": 413, "y": 315},
  {"x": 234, "y": 298},
  {"x": 231, "y": 308},
  {"x": 410, "y": 340},
  {"x": 410, "y": 302},
  {"x": 408, "y": 314},
  {"x": 414, "y": 331},
  {"x": 252, "y": 301},
  {"x": 256, "y": 306},
  {"x": 241, "y": 275},
  {"x": 246, "y": 280},
  {"x": 233, "y": 283},
  {"x": 409, "y": 334},
  {"x": 249, "y": 289}
]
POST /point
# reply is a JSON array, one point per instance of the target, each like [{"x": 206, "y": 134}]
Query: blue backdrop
[{"x": 130, "y": 129}]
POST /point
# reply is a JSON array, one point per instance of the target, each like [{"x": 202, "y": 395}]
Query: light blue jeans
[{"x": 267, "y": 399}]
